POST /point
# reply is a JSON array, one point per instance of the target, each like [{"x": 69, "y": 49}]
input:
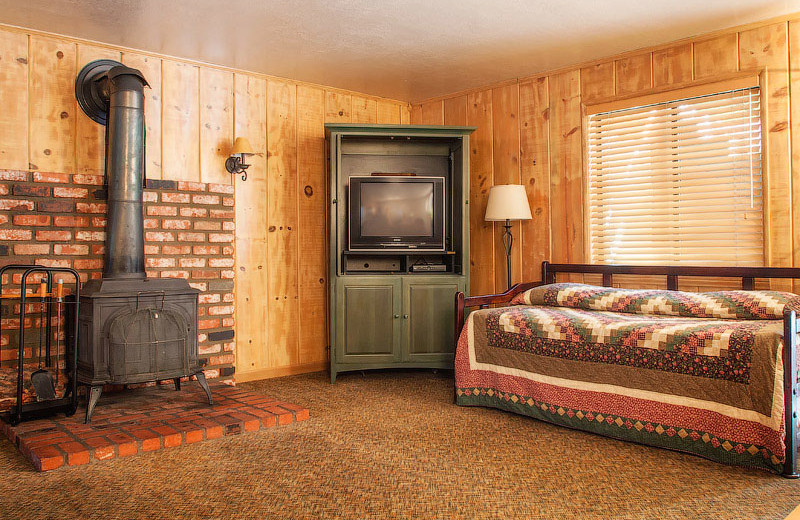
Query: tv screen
[
  {"x": 395, "y": 209},
  {"x": 396, "y": 213}
]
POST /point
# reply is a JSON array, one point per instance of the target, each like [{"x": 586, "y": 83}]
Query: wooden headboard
[{"x": 748, "y": 275}]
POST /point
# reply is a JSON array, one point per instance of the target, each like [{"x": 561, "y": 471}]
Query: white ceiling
[{"x": 403, "y": 49}]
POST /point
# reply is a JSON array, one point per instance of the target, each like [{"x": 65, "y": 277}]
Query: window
[{"x": 678, "y": 182}]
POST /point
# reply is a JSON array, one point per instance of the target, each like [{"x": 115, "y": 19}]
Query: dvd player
[{"x": 429, "y": 268}]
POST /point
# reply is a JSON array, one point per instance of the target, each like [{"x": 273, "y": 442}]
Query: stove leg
[
  {"x": 94, "y": 396},
  {"x": 201, "y": 378},
  {"x": 177, "y": 381}
]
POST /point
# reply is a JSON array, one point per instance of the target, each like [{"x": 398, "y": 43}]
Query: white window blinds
[{"x": 678, "y": 182}]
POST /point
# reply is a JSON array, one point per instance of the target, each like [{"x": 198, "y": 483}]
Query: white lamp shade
[{"x": 508, "y": 202}]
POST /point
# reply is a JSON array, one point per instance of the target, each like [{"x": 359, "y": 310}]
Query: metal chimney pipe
[{"x": 113, "y": 94}]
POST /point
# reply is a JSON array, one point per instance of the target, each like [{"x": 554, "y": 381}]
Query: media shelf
[{"x": 394, "y": 307}]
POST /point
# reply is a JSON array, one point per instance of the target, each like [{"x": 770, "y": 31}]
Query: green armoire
[{"x": 392, "y": 304}]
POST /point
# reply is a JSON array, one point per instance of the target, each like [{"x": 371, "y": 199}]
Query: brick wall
[{"x": 58, "y": 219}]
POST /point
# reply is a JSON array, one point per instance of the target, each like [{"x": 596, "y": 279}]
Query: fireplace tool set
[{"x": 37, "y": 394}]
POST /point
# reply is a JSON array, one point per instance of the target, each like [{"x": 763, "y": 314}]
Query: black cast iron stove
[{"x": 131, "y": 329}]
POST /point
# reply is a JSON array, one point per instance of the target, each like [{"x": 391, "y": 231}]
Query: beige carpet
[{"x": 392, "y": 445}]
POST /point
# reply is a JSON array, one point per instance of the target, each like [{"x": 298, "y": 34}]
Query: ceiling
[{"x": 404, "y": 49}]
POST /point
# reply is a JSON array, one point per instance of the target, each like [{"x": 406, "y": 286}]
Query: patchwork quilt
[{"x": 695, "y": 372}]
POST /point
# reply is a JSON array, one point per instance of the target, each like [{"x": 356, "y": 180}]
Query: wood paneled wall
[
  {"x": 193, "y": 113},
  {"x": 531, "y": 131}
]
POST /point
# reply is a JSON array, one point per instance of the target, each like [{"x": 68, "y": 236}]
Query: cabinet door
[
  {"x": 429, "y": 308},
  {"x": 367, "y": 320}
]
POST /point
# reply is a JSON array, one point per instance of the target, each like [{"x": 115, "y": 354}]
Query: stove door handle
[{"x": 163, "y": 295}]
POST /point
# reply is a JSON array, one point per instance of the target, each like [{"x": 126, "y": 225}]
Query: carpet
[{"x": 392, "y": 445}]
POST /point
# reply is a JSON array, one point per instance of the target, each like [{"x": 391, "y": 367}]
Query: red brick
[
  {"x": 220, "y": 237},
  {"x": 90, "y": 236},
  {"x": 150, "y": 196},
  {"x": 194, "y": 212},
  {"x": 176, "y": 198},
  {"x": 150, "y": 223},
  {"x": 209, "y": 298},
  {"x": 150, "y": 440},
  {"x": 220, "y": 262},
  {"x": 171, "y": 436},
  {"x": 94, "y": 180},
  {"x": 99, "y": 221},
  {"x": 220, "y": 310},
  {"x": 205, "y": 350},
  {"x": 207, "y": 225},
  {"x": 225, "y": 359},
  {"x": 159, "y": 262},
  {"x": 176, "y": 250},
  {"x": 77, "y": 454},
  {"x": 205, "y": 250},
  {"x": 56, "y": 206},
  {"x": 227, "y": 274},
  {"x": 159, "y": 236},
  {"x": 228, "y": 322},
  {"x": 150, "y": 249},
  {"x": 15, "y": 234},
  {"x": 200, "y": 286},
  {"x": 191, "y": 186},
  {"x": 193, "y": 262},
  {"x": 162, "y": 211},
  {"x": 45, "y": 236},
  {"x": 70, "y": 249},
  {"x": 47, "y": 262},
  {"x": 88, "y": 263},
  {"x": 221, "y": 188},
  {"x": 228, "y": 250},
  {"x": 208, "y": 324},
  {"x": 204, "y": 274},
  {"x": 90, "y": 207},
  {"x": 284, "y": 416},
  {"x": 11, "y": 175},
  {"x": 227, "y": 201},
  {"x": 73, "y": 193},
  {"x": 103, "y": 448},
  {"x": 213, "y": 432},
  {"x": 24, "y": 190},
  {"x": 191, "y": 237},
  {"x": 31, "y": 220},
  {"x": 50, "y": 177},
  {"x": 176, "y": 224},
  {"x": 205, "y": 199},
  {"x": 9, "y": 204},
  {"x": 229, "y": 226},
  {"x": 63, "y": 221},
  {"x": 31, "y": 249},
  {"x": 175, "y": 274},
  {"x": 222, "y": 213},
  {"x": 47, "y": 458},
  {"x": 193, "y": 436}
]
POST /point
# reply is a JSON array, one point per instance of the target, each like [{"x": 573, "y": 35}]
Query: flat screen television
[{"x": 396, "y": 213}]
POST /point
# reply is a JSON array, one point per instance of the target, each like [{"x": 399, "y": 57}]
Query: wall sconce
[{"x": 235, "y": 163}]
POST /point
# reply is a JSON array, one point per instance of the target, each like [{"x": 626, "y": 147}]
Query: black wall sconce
[{"x": 236, "y": 162}]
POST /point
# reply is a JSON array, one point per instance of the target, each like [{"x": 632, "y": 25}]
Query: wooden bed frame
[{"x": 748, "y": 276}]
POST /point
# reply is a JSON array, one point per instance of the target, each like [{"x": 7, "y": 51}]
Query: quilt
[{"x": 696, "y": 372}]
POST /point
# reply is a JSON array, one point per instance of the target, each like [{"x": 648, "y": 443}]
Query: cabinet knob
[
  {"x": 405, "y": 316},
  {"x": 396, "y": 316}
]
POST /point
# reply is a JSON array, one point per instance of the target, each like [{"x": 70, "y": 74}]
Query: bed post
[
  {"x": 459, "y": 318},
  {"x": 790, "y": 392}
]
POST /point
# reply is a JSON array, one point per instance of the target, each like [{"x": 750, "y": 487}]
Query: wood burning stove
[{"x": 131, "y": 329}]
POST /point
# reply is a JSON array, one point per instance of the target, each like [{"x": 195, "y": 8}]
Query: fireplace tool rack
[{"x": 46, "y": 297}]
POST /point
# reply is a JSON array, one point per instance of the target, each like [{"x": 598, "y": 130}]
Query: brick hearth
[{"x": 148, "y": 419}]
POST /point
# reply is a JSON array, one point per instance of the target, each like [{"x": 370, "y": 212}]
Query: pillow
[{"x": 742, "y": 305}]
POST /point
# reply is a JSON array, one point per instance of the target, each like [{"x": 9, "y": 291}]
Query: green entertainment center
[{"x": 399, "y": 243}]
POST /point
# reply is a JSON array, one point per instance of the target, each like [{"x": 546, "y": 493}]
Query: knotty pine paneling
[
  {"x": 51, "y": 104},
  {"x": 551, "y": 141},
  {"x": 181, "y": 121},
  {"x": 14, "y": 100},
  {"x": 192, "y": 114},
  {"x": 90, "y": 137}
]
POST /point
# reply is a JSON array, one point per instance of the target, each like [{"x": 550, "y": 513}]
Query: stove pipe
[{"x": 113, "y": 95}]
